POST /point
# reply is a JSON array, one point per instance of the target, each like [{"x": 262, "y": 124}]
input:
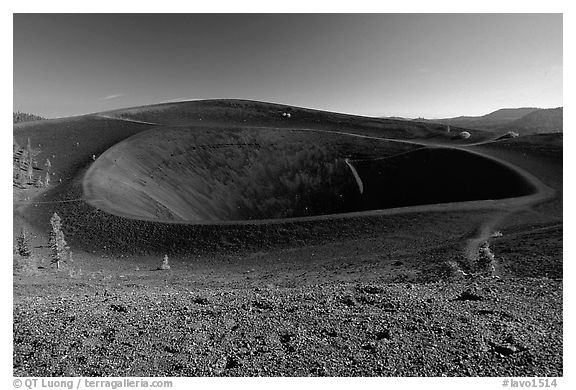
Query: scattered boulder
[
  {"x": 382, "y": 335},
  {"x": 118, "y": 308},
  {"x": 348, "y": 300},
  {"x": 200, "y": 301},
  {"x": 262, "y": 304},
  {"x": 506, "y": 348},
  {"x": 231, "y": 362},
  {"x": 370, "y": 289},
  {"x": 471, "y": 294},
  {"x": 370, "y": 347},
  {"x": 286, "y": 340}
]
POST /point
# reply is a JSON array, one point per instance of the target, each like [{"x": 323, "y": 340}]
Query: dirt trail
[
  {"x": 542, "y": 193},
  {"x": 129, "y": 120}
]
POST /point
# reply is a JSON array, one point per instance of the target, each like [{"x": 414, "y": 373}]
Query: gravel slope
[{"x": 481, "y": 327}]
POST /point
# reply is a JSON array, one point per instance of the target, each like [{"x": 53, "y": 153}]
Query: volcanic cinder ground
[{"x": 310, "y": 244}]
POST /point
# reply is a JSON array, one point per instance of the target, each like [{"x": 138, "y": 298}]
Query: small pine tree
[
  {"x": 48, "y": 165},
  {"x": 20, "y": 178},
  {"x": 39, "y": 183},
  {"x": 165, "y": 265},
  {"x": 22, "y": 243},
  {"x": 30, "y": 171},
  {"x": 15, "y": 145},
  {"x": 57, "y": 241},
  {"x": 30, "y": 155},
  {"x": 47, "y": 179},
  {"x": 486, "y": 259},
  {"x": 22, "y": 159}
]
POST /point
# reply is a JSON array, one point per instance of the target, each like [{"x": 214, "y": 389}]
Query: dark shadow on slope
[{"x": 433, "y": 175}]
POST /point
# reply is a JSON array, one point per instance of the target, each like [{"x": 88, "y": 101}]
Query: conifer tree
[
  {"x": 22, "y": 159},
  {"x": 57, "y": 241},
  {"x": 30, "y": 157},
  {"x": 22, "y": 243}
]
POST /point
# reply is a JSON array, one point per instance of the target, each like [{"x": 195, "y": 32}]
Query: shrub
[
  {"x": 27, "y": 265},
  {"x": 452, "y": 270}
]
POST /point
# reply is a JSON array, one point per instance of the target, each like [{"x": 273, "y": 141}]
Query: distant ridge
[
  {"x": 539, "y": 121},
  {"x": 509, "y": 114},
  {"x": 524, "y": 120}
]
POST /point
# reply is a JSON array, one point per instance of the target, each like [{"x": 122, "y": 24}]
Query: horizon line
[{"x": 382, "y": 116}]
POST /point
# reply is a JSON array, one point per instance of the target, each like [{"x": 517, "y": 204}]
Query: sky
[{"x": 410, "y": 65}]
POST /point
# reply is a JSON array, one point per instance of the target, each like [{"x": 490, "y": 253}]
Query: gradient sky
[{"x": 412, "y": 65}]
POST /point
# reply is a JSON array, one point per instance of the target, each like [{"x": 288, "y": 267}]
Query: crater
[{"x": 198, "y": 175}]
